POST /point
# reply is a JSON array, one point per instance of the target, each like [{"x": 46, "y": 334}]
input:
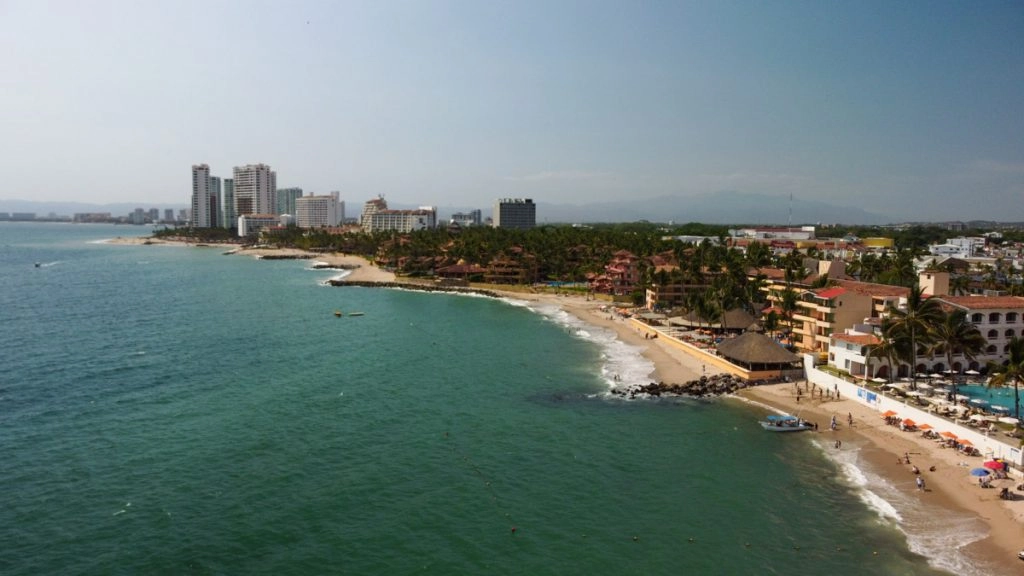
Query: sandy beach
[
  {"x": 885, "y": 447},
  {"x": 882, "y": 446}
]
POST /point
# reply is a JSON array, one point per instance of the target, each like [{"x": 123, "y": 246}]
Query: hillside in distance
[{"x": 714, "y": 208}]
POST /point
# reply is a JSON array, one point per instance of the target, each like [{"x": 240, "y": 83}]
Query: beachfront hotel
[
  {"x": 285, "y": 200},
  {"x": 376, "y": 217},
  {"x": 255, "y": 186},
  {"x": 319, "y": 211},
  {"x": 514, "y": 213}
]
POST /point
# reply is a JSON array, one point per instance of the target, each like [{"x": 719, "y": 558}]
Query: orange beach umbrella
[
  {"x": 888, "y": 413},
  {"x": 965, "y": 442},
  {"x": 925, "y": 426},
  {"x": 948, "y": 434},
  {"x": 909, "y": 422}
]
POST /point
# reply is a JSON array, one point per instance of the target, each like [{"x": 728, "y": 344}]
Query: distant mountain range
[
  {"x": 710, "y": 208},
  {"x": 714, "y": 208}
]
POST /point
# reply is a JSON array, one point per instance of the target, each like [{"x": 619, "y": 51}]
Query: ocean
[{"x": 172, "y": 410}]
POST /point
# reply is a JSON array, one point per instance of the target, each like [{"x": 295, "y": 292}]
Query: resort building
[
  {"x": 403, "y": 220},
  {"x": 318, "y": 211},
  {"x": 255, "y": 185},
  {"x": 253, "y": 224},
  {"x": 998, "y": 318},
  {"x": 285, "y": 200},
  {"x": 621, "y": 275},
  {"x": 370, "y": 208},
  {"x": 514, "y": 213},
  {"x": 201, "y": 196}
]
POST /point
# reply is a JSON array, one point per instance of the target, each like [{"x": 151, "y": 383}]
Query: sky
[{"x": 911, "y": 107}]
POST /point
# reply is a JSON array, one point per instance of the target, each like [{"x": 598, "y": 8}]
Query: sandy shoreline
[{"x": 948, "y": 486}]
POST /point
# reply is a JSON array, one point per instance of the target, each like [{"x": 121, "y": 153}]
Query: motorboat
[{"x": 785, "y": 423}]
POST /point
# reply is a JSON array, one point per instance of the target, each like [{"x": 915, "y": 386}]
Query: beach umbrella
[
  {"x": 964, "y": 442},
  {"x": 878, "y": 380},
  {"x": 1008, "y": 420},
  {"x": 908, "y": 422},
  {"x": 925, "y": 426},
  {"x": 888, "y": 414},
  {"x": 948, "y": 434},
  {"x": 994, "y": 465},
  {"x": 972, "y": 372},
  {"x": 980, "y": 472}
]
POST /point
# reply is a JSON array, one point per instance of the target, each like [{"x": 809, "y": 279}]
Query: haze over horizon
[{"x": 910, "y": 107}]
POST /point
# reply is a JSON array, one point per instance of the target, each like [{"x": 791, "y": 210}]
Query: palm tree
[
  {"x": 914, "y": 324},
  {"x": 1011, "y": 372},
  {"x": 887, "y": 350},
  {"x": 956, "y": 335}
]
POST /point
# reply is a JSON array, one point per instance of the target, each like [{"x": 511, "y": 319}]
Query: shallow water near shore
[{"x": 174, "y": 410}]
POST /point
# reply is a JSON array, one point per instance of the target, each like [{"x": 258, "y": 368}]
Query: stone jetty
[{"x": 715, "y": 385}]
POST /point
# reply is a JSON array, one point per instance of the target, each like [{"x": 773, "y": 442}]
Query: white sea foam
[
  {"x": 936, "y": 533},
  {"x": 622, "y": 364},
  {"x": 328, "y": 281}
]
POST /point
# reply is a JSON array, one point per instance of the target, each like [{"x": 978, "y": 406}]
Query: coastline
[
  {"x": 883, "y": 447},
  {"x": 949, "y": 487}
]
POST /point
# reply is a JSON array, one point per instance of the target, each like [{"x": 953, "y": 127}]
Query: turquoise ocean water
[{"x": 170, "y": 410}]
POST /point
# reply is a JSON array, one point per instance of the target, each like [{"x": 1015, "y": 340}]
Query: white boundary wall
[{"x": 990, "y": 446}]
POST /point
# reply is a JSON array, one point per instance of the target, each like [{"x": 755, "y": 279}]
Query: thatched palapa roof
[{"x": 752, "y": 348}]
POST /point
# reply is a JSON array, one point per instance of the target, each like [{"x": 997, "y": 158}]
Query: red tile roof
[
  {"x": 862, "y": 339},
  {"x": 872, "y": 289},
  {"x": 830, "y": 293},
  {"x": 983, "y": 302}
]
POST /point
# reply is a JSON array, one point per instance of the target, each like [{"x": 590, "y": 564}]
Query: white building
[
  {"x": 402, "y": 220},
  {"x": 370, "y": 208},
  {"x": 255, "y": 187},
  {"x": 252, "y": 224},
  {"x": 319, "y": 211},
  {"x": 471, "y": 218},
  {"x": 201, "y": 196}
]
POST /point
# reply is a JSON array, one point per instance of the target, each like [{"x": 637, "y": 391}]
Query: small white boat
[{"x": 785, "y": 423}]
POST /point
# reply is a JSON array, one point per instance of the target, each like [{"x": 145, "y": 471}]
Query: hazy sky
[{"x": 914, "y": 105}]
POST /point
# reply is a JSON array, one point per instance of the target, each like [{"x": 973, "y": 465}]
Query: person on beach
[
  {"x": 920, "y": 483},
  {"x": 849, "y": 419}
]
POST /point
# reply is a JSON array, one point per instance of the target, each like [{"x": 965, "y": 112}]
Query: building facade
[
  {"x": 229, "y": 219},
  {"x": 319, "y": 211},
  {"x": 514, "y": 213},
  {"x": 403, "y": 220},
  {"x": 200, "y": 196},
  {"x": 252, "y": 224},
  {"x": 286, "y": 198},
  {"x": 255, "y": 187}
]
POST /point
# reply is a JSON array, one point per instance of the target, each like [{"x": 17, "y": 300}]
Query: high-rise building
[
  {"x": 370, "y": 208},
  {"x": 169, "y": 215},
  {"x": 229, "y": 220},
  {"x": 286, "y": 198},
  {"x": 318, "y": 211},
  {"x": 515, "y": 213},
  {"x": 215, "y": 210},
  {"x": 200, "y": 196},
  {"x": 255, "y": 185}
]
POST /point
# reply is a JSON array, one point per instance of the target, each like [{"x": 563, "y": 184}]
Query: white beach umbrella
[
  {"x": 972, "y": 372},
  {"x": 1008, "y": 420},
  {"x": 924, "y": 386}
]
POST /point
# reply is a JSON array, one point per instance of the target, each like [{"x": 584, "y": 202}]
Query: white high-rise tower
[
  {"x": 200, "y": 196},
  {"x": 255, "y": 185}
]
